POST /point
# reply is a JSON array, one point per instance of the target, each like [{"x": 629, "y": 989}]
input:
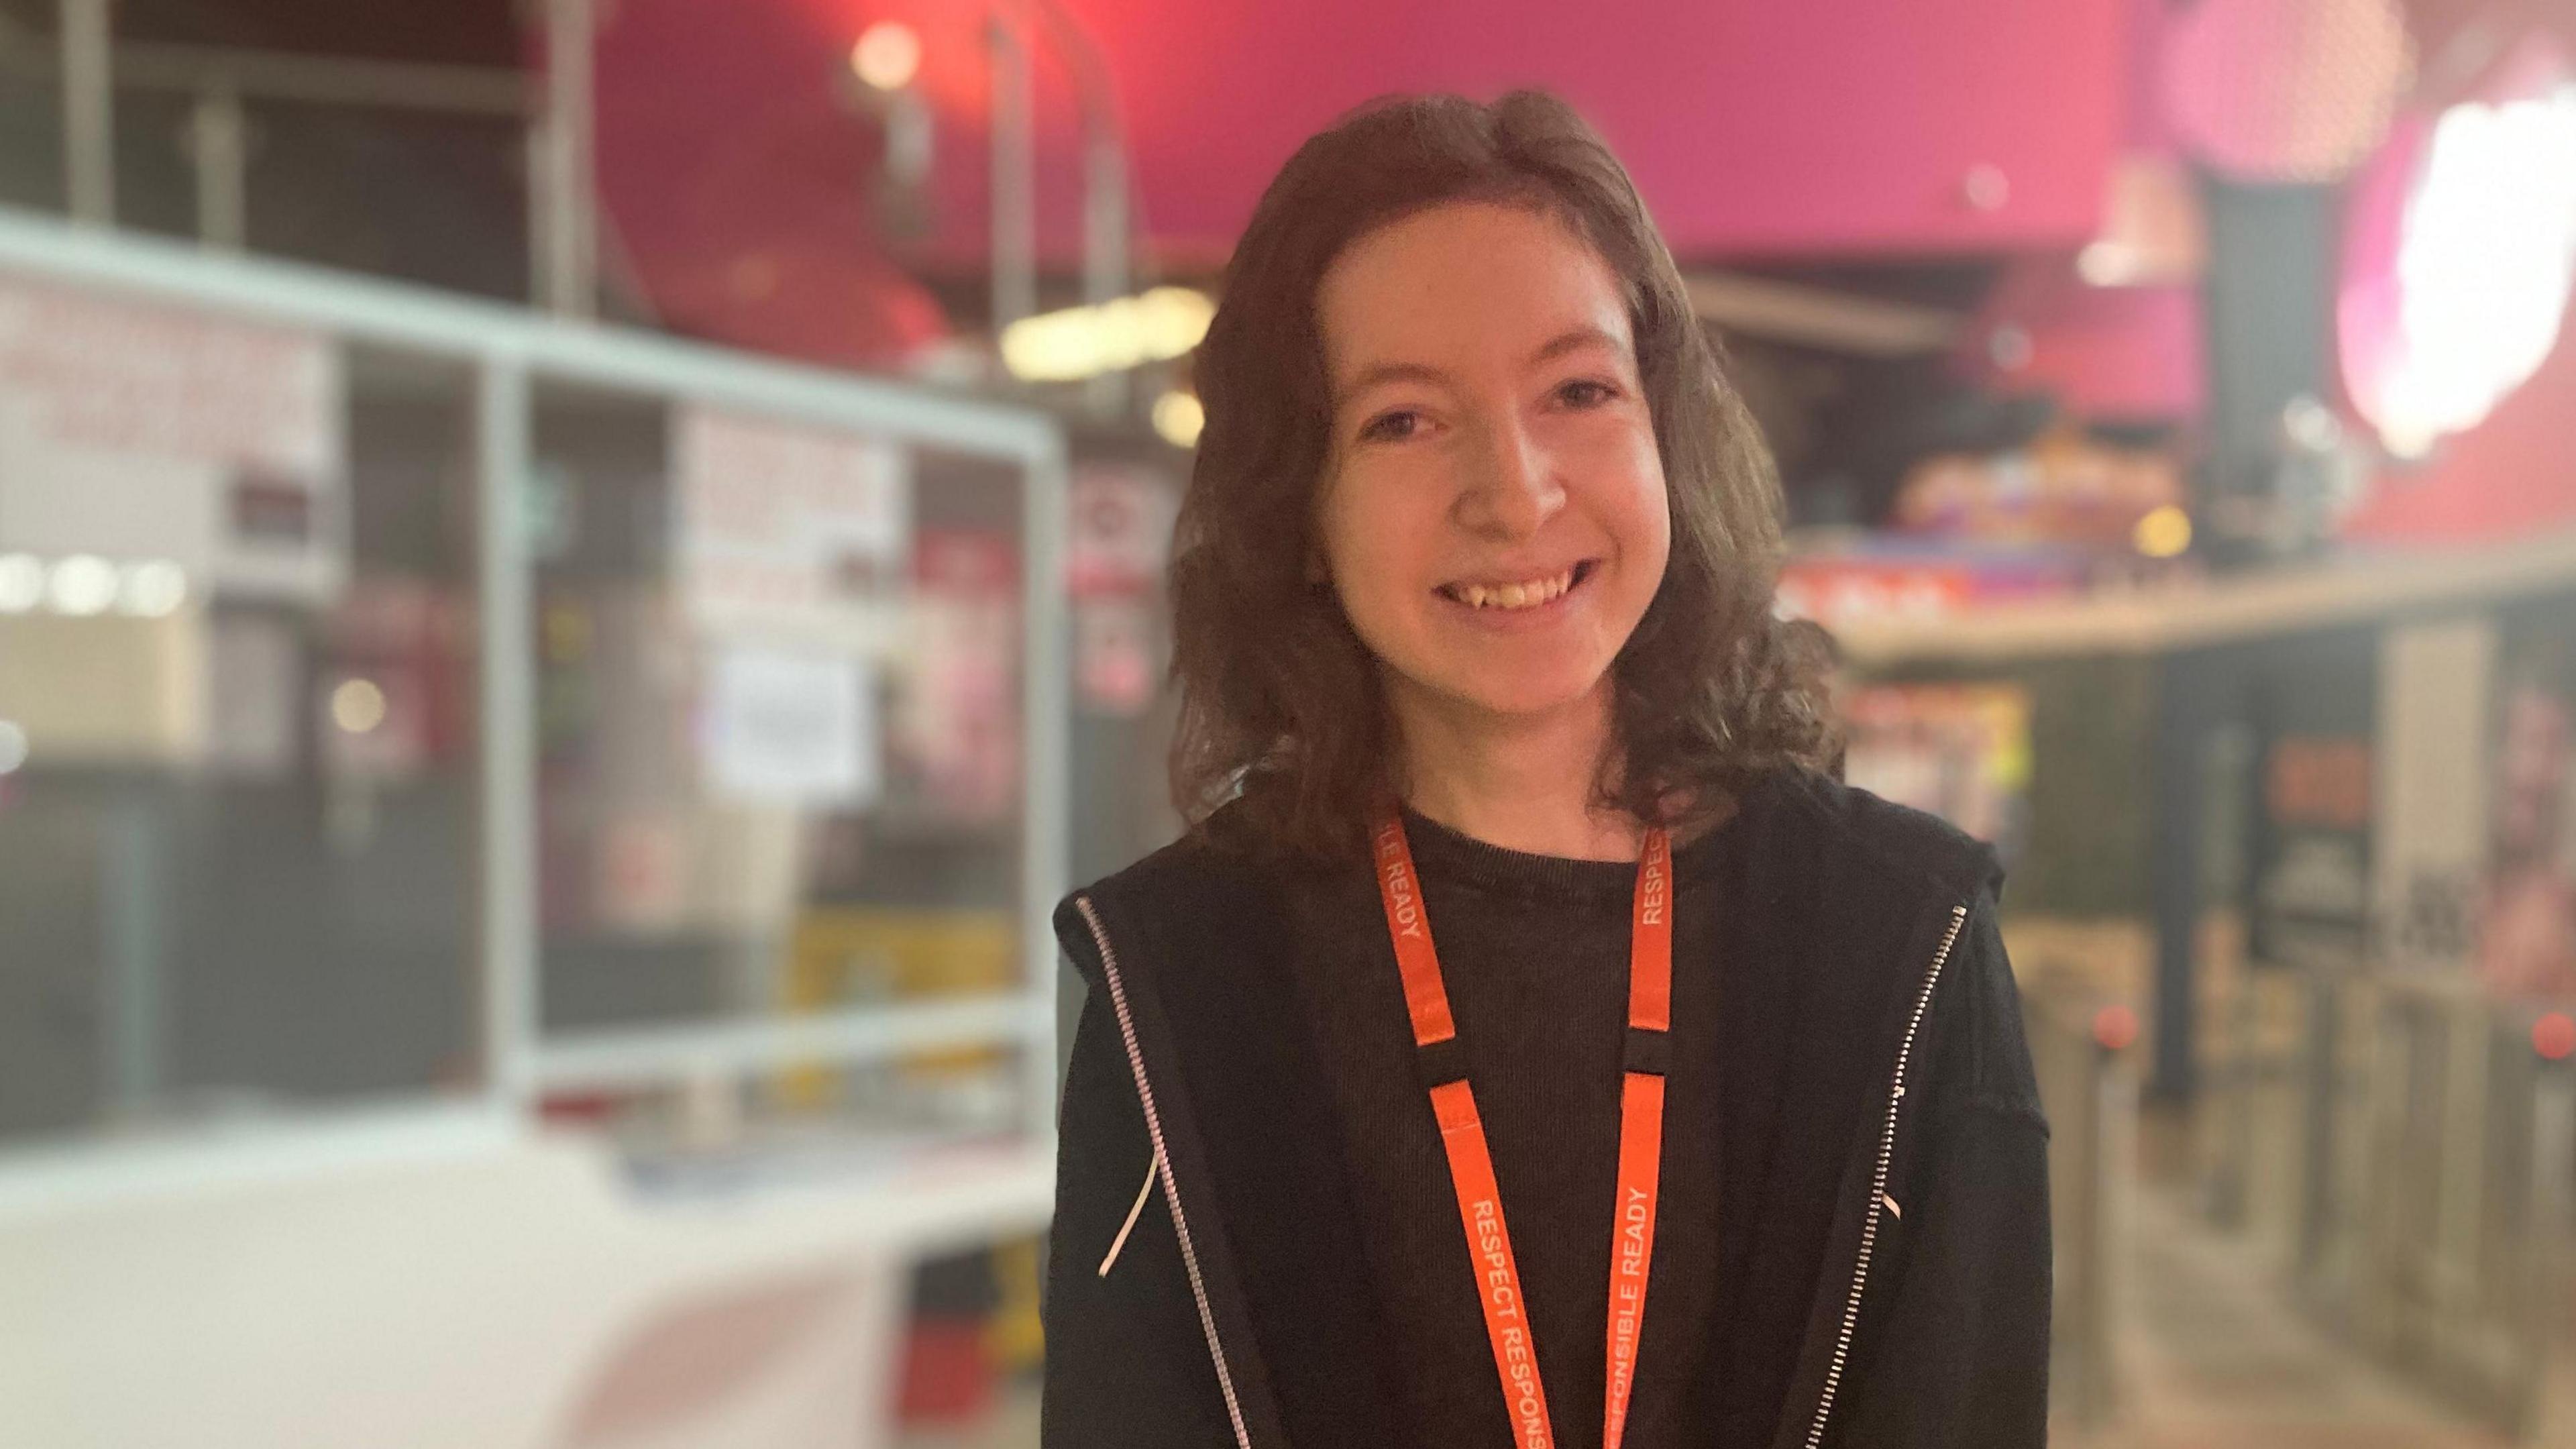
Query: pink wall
[
  {"x": 1752, "y": 126},
  {"x": 2128, "y": 353},
  {"x": 737, "y": 186}
]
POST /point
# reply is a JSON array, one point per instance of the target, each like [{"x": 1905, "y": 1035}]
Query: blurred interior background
[{"x": 577, "y": 576}]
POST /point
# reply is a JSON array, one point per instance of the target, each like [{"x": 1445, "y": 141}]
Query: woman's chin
[{"x": 1527, "y": 700}]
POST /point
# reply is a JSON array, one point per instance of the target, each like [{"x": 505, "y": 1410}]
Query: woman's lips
[
  {"x": 1539, "y": 600},
  {"x": 1516, "y": 595}
]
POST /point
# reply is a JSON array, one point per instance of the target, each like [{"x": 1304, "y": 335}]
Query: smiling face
[{"x": 1493, "y": 515}]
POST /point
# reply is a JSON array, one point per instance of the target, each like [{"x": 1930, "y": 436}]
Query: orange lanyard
[{"x": 1471, "y": 1167}]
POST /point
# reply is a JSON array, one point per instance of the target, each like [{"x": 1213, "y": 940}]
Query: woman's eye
[
  {"x": 1586, "y": 393},
  {"x": 1392, "y": 427}
]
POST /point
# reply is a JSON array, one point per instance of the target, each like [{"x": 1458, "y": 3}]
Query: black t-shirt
[{"x": 1534, "y": 951}]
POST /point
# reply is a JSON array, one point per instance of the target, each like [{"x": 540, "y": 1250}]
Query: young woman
[{"x": 1529, "y": 1044}]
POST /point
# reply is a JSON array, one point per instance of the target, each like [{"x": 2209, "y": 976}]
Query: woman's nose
[{"x": 1512, "y": 486}]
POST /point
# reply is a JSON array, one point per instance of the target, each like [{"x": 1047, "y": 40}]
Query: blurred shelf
[
  {"x": 2349, "y": 589},
  {"x": 593, "y": 1061}
]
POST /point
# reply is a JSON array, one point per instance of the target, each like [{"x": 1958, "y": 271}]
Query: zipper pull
[
  {"x": 1119, "y": 1245},
  {"x": 1890, "y": 1204}
]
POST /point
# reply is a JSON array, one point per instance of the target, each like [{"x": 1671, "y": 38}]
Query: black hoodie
[{"x": 1238, "y": 1310}]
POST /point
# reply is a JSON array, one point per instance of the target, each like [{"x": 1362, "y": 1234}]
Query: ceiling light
[
  {"x": 887, "y": 56},
  {"x": 2468, "y": 306},
  {"x": 22, "y": 582},
  {"x": 82, "y": 584},
  {"x": 1112, "y": 336},
  {"x": 153, "y": 590},
  {"x": 2163, "y": 533},
  {"x": 358, "y": 706},
  {"x": 1179, "y": 418}
]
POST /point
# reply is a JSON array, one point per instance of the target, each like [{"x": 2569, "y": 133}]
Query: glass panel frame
[{"x": 510, "y": 355}]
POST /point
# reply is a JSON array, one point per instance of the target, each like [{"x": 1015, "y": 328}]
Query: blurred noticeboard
[
  {"x": 2312, "y": 899},
  {"x": 2428, "y": 832},
  {"x": 2524, "y": 911},
  {"x": 1959, "y": 751},
  {"x": 1120, "y": 546},
  {"x": 2314, "y": 713},
  {"x": 791, "y": 729},
  {"x": 2475, "y": 826},
  {"x": 1118, "y": 655},
  {"x": 142, "y": 433},
  {"x": 1121, "y": 537},
  {"x": 956, "y": 728},
  {"x": 787, "y": 527}
]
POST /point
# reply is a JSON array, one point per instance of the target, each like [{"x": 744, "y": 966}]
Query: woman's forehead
[{"x": 1463, "y": 280}]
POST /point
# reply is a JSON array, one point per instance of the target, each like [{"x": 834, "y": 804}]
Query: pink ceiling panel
[{"x": 1752, "y": 127}]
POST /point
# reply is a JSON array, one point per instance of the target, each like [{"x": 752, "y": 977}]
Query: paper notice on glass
[
  {"x": 2429, "y": 834},
  {"x": 1116, "y": 655},
  {"x": 142, "y": 432},
  {"x": 788, "y": 529},
  {"x": 255, "y": 696},
  {"x": 784, "y": 728},
  {"x": 1121, "y": 538}
]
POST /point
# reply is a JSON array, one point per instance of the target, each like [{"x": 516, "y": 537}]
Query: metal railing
[
  {"x": 2466, "y": 1228},
  {"x": 2090, "y": 1093},
  {"x": 553, "y": 108},
  {"x": 2409, "y": 1142},
  {"x": 570, "y": 234}
]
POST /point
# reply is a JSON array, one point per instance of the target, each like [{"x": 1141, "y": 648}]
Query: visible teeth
[{"x": 1513, "y": 596}]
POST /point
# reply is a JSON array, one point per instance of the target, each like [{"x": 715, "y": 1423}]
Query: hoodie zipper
[
  {"x": 1163, "y": 1164},
  {"x": 1878, "y": 1181}
]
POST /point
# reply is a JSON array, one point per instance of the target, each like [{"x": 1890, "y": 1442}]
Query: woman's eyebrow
[
  {"x": 1575, "y": 340},
  {"x": 1377, "y": 374}
]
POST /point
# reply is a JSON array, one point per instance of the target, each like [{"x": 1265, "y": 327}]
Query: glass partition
[
  {"x": 781, "y": 772},
  {"x": 405, "y": 698},
  {"x": 238, "y": 724}
]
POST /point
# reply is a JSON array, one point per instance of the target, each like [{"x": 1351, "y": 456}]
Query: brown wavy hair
[{"x": 1280, "y": 702}]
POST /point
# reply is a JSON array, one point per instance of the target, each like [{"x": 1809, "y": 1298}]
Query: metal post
[
  {"x": 2548, "y": 1410},
  {"x": 132, "y": 869},
  {"x": 2375, "y": 1297},
  {"x": 909, "y": 138},
  {"x": 1015, "y": 282},
  {"x": 1104, "y": 195},
  {"x": 564, "y": 190},
  {"x": 539, "y": 153},
  {"x": 2186, "y": 709},
  {"x": 2318, "y": 1198},
  {"x": 2459, "y": 1209},
  {"x": 2076, "y": 1120},
  {"x": 511, "y": 990},
  {"x": 1045, "y": 829},
  {"x": 89, "y": 112},
  {"x": 219, "y": 146},
  {"x": 1106, "y": 207},
  {"x": 2111, "y": 1187},
  {"x": 1104, "y": 239},
  {"x": 2231, "y": 1189}
]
